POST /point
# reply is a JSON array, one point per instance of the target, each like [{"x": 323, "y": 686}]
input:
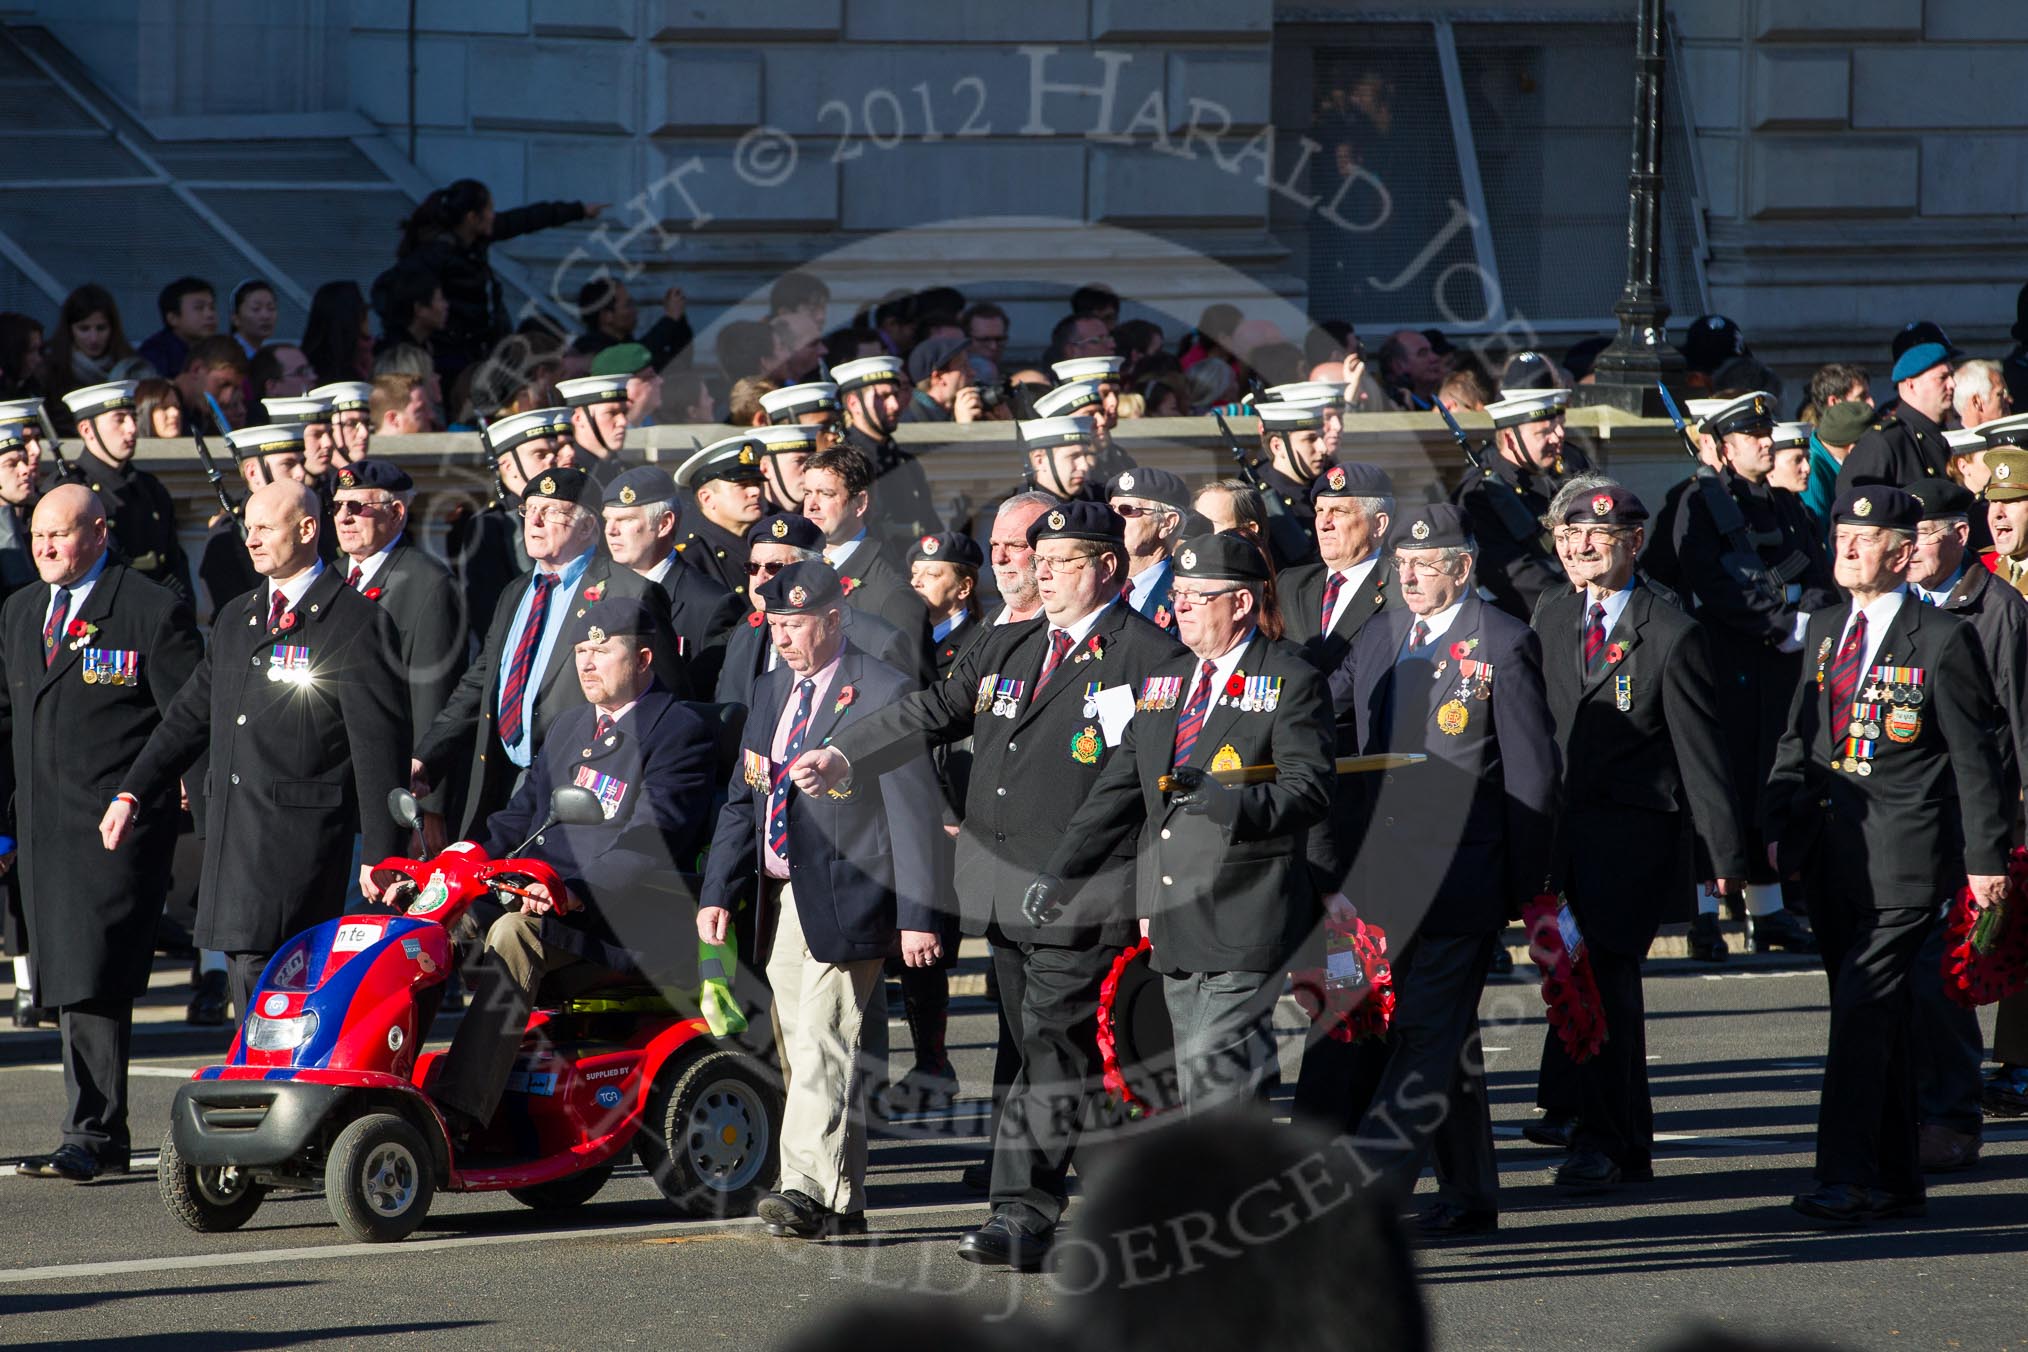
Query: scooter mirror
[
  {"x": 574, "y": 806},
  {"x": 401, "y": 806}
]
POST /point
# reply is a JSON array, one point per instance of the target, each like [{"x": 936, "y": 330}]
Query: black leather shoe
[
  {"x": 1782, "y": 930},
  {"x": 1551, "y": 1129},
  {"x": 1837, "y": 1206},
  {"x": 999, "y": 1243},
  {"x": 1706, "y": 943},
  {"x": 73, "y": 1162},
  {"x": 977, "y": 1177},
  {"x": 794, "y": 1215},
  {"x": 1502, "y": 963},
  {"x": 28, "y": 1014},
  {"x": 1447, "y": 1220},
  {"x": 1587, "y": 1171},
  {"x": 207, "y": 1007},
  {"x": 2006, "y": 1092},
  {"x": 1888, "y": 1206}
]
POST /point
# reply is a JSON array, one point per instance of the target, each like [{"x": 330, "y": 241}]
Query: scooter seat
[{"x": 622, "y": 997}]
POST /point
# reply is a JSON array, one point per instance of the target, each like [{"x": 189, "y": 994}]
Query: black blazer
[
  {"x": 701, "y": 616},
  {"x": 428, "y": 609},
  {"x": 862, "y": 859},
  {"x": 746, "y": 651},
  {"x": 1643, "y": 753},
  {"x": 295, "y": 768},
  {"x": 141, "y": 515},
  {"x": 1301, "y": 591},
  {"x": 1517, "y": 567},
  {"x": 1030, "y": 769},
  {"x": 1228, "y": 890},
  {"x": 1456, "y": 845},
  {"x": 876, "y": 586},
  {"x": 1935, "y": 808},
  {"x": 466, "y": 730},
  {"x": 91, "y": 915}
]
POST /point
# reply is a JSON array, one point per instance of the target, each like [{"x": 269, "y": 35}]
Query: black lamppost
[{"x": 1639, "y": 355}]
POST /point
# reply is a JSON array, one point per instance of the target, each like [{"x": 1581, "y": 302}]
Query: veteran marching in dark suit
[
  {"x": 836, "y": 883},
  {"x": 1223, "y": 882},
  {"x": 1043, "y": 701},
  {"x": 379, "y": 560},
  {"x": 1325, "y": 604},
  {"x": 92, "y": 657},
  {"x": 650, "y": 761},
  {"x": 519, "y": 684},
  {"x": 305, "y": 720},
  {"x": 484, "y": 544},
  {"x": 1889, "y": 787},
  {"x": 639, "y": 508},
  {"x": 1450, "y": 850},
  {"x": 1629, "y": 683}
]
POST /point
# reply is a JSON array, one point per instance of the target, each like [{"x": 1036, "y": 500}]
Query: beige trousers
[{"x": 819, "y": 1017}]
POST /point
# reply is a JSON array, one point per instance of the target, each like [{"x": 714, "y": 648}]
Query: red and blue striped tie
[
  {"x": 778, "y": 797},
  {"x": 1194, "y": 713},
  {"x": 1845, "y": 677},
  {"x": 1594, "y": 638},
  {"x": 1331, "y": 590},
  {"x": 515, "y": 686}
]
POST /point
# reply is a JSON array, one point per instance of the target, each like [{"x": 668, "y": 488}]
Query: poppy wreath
[
  {"x": 1986, "y": 952},
  {"x": 1569, "y": 989},
  {"x": 1113, "y": 1077},
  {"x": 1350, "y": 1013}
]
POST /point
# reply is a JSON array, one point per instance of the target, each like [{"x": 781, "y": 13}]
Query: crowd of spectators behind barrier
[{"x": 437, "y": 321}]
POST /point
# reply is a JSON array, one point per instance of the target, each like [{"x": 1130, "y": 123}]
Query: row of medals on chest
[{"x": 1901, "y": 723}]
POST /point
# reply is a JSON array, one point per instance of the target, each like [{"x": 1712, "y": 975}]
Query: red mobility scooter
[{"x": 327, "y": 1086}]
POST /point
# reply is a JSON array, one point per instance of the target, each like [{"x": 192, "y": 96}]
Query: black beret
[
  {"x": 1354, "y": 480},
  {"x": 1876, "y": 505},
  {"x": 1436, "y": 525},
  {"x": 1224, "y": 557},
  {"x": 786, "y": 528},
  {"x": 948, "y": 547},
  {"x": 1606, "y": 505},
  {"x": 801, "y": 588},
  {"x": 565, "y": 485},
  {"x": 612, "y": 617},
  {"x": 371, "y": 473},
  {"x": 643, "y": 483},
  {"x": 1079, "y": 520},
  {"x": 1156, "y": 485},
  {"x": 1941, "y": 499}
]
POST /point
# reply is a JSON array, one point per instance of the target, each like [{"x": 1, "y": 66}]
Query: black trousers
[
  {"x": 1615, "y": 1115},
  {"x": 1866, "y": 1124},
  {"x": 97, "y": 1040},
  {"x": 242, "y": 975},
  {"x": 1419, "y": 1094},
  {"x": 1049, "y": 996},
  {"x": 1949, "y": 1047}
]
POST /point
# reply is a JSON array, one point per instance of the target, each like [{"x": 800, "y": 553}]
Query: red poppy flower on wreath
[
  {"x": 845, "y": 698},
  {"x": 373, "y": 593},
  {"x": 755, "y": 620},
  {"x": 1235, "y": 686},
  {"x": 1615, "y": 653}
]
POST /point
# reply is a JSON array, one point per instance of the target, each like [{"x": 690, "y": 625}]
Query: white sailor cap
[
  {"x": 2008, "y": 431},
  {"x": 784, "y": 438},
  {"x": 1087, "y": 368},
  {"x": 588, "y": 390},
  {"x": 504, "y": 434},
  {"x": 91, "y": 400},
  {"x": 1748, "y": 413},
  {"x": 791, "y": 401},
  {"x": 858, "y": 374},
  {"x": 1787, "y": 434},
  {"x": 21, "y": 411},
  {"x": 13, "y": 435},
  {"x": 735, "y": 457},
  {"x": 1305, "y": 392},
  {"x": 1281, "y": 415},
  {"x": 345, "y": 396},
  {"x": 1069, "y": 397},
  {"x": 1045, "y": 432},
  {"x": 1515, "y": 407},
  {"x": 1699, "y": 411},
  {"x": 306, "y": 409},
  {"x": 1961, "y": 440},
  {"x": 268, "y": 439}
]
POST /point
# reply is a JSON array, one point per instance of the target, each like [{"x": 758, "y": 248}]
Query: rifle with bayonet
[
  {"x": 1505, "y": 495},
  {"x": 1741, "y": 559},
  {"x": 1249, "y": 469},
  {"x": 217, "y": 480}
]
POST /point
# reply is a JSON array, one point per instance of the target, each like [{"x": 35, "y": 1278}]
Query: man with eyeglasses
[
  {"x": 1443, "y": 854},
  {"x": 1883, "y": 829},
  {"x": 838, "y": 494},
  {"x": 484, "y": 543},
  {"x": 1152, "y": 503},
  {"x": 725, "y": 481},
  {"x": 518, "y": 685},
  {"x": 1507, "y": 496},
  {"x": 772, "y": 544},
  {"x": 1752, "y": 568},
  {"x": 379, "y": 560},
  {"x": 1949, "y": 1045},
  {"x": 1325, "y": 604},
  {"x": 351, "y": 402},
  {"x": 1632, "y": 690},
  {"x": 1225, "y": 891},
  {"x": 985, "y": 326},
  {"x": 1044, "y": 702},
  {"x": 1012, "y": 559},
  {"x": 640, "y": 529}
]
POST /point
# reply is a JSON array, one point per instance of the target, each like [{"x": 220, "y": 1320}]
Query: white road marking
[{"x": 1761, "y": 976}]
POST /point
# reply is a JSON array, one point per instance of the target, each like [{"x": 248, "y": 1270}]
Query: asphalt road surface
[{"x": 1735, "y": 1058}]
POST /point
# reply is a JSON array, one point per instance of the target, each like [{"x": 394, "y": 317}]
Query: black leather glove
[
  {"x": 1042, "y": 903},
  {"x": 1193, "y": 790}
]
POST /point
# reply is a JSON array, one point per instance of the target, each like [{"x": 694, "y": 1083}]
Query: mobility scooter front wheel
[
  {"x": 379, "y": 1178},
  {"x": 209, "y": 1199}
]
